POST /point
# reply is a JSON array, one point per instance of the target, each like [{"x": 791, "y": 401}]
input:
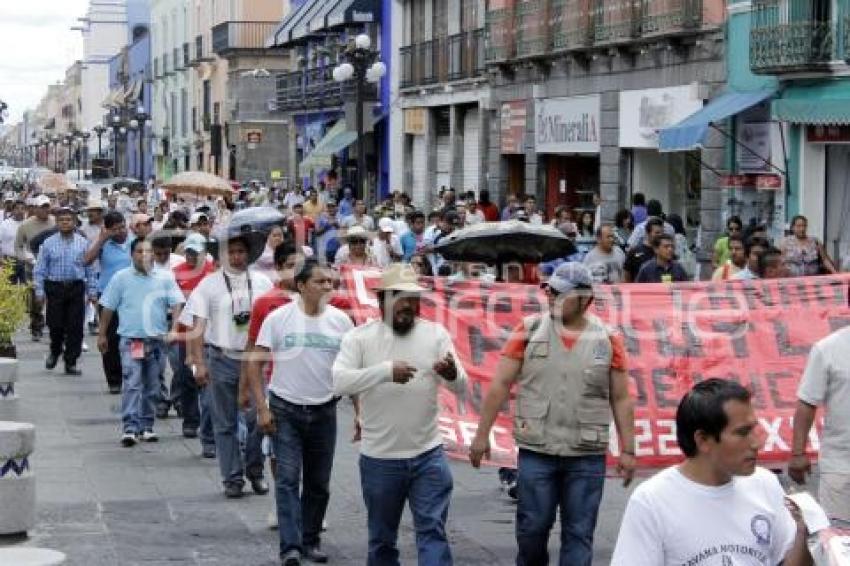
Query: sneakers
[
  {"x": 233, "y": 490},
  {"x": 128, "y": 439},
  {"x": 314, "y": 554},
  {"x": 208, "y": 450},
  {"x": 271, "y": 520},
  {"x": 114, "y": 389},
  {"x": 72, "y": 369},
  {"x": 149, "y": 436},
  {"x": 52, "y": 360},
  {"x": 162, "y": 410},
  {"x": 190, "y": 431},
  {"x": 259, "y": 485},
  {"x": 291, "y": 558}
]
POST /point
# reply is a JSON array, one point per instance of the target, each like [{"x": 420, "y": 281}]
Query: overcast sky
[{"x": 36, "y": 46}]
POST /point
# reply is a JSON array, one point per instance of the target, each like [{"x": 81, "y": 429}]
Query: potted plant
[{"x": 13, "y": 309}]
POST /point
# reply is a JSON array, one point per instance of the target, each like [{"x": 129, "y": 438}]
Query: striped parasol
[
  {"x": 198, "y": 183},
  {"x": 52, "y": 183}
]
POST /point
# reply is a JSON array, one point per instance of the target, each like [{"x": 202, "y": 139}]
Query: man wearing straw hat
[{"x": 395, "y": 366}]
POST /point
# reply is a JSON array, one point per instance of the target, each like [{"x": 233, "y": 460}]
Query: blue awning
[
  {"x": 283, "y": 35},
  {"x": 690, "y": 133}
]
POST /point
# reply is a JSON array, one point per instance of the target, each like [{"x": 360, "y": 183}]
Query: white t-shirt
[
  {"x": 304, "y": 349},
  {"x": 826, "y": 382},
  {"x": 381, "y": 251},
  {"x": 214, "y": 303},
  {"x": 398, "y": 420},
  {"x": 8, "y": 233},
  {"x": 673, "y": 521}
]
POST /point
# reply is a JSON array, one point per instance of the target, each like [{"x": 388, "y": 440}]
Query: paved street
[{"x": 161, "y": 504}]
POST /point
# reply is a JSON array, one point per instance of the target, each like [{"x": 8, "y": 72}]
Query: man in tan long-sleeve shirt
[
  {"x": 395, "y": 366},
  {"x": 39, "y": 222}
]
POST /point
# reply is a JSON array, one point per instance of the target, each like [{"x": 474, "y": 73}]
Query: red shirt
[
  {"x": 490, "y": 210},
  {"x": 276, "y": 298},
  {"x": 189, "y": 277},
  {"x": 303, "y": 228}
]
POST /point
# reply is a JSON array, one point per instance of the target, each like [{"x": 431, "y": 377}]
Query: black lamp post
[
  {"x": 55, "y": 140},
  {"x": 139, "y": 124},
  {"x": 99, "y": 131},
  {"x": 116, "y": 134},
  {"x": 68, "y": 142},
  {"x": 363, "y": 66}
]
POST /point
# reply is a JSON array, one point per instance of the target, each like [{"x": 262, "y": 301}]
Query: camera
[{"x": 242, "y": 318}]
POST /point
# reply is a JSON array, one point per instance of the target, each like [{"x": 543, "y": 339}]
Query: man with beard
[{"x": 395, "y": 366}]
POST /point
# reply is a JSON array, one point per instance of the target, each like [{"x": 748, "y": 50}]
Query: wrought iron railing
[
  {"x": 187, "y": 58},
  {"x": 427, "y": 68},
  {"x": 532, "y": 27},
  {"x": 501, "y": 34},
  {"x": 166, "y": 68},
  {"x": 315, "y": 87},
  {"x": 616, "y": 21},
  {"x": 199, "y": 48},
  {"x": 787, "y": 35},
  {"x": 157, "y": 70},
  {"x": 178, "y": 59},
  {"x": 407, "y": 57},
  {"x": 570, "y": 24}
]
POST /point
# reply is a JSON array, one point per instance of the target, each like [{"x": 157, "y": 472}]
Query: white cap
[
  {"x": 386, "y": 225},
  {"x": 41, "y": 200}
]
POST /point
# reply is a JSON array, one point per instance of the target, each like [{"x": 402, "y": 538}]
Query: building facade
[
  {"x": 805, "y": 48},
  {"x": 579, "y": 90},
  {"x": 444, "y": 95},
  {"x": 321, "y": 111}
]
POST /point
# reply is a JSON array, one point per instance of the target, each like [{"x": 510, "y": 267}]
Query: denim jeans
[
  {"x": 183, "y": 382},
  {"x": 304, "y": 441},
  {"x": 206, "y": 434},
  {"x": 545, "y": 483},
  {"x": 140, "y": 389},
  {"x": 424, "y": 481},
  {"x": 224, "y": 386}
]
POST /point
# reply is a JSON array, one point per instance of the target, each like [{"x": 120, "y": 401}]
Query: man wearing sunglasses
[{"x": 571, "y": 372}]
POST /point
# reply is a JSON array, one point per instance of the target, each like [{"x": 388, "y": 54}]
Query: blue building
[
  {"x": 322, "y": 110},
  {"x": 129, "y": 103}
]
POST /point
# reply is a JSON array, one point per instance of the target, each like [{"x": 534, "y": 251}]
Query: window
[
  {"x": 194, "y": 118},
  {"x": 216, "y": 113},
  {"x": 207, "y": 97}
]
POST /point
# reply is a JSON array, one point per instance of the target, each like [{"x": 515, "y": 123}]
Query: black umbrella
[
  {"x": 253, "y": 226},
  {"x": 496, "y": 243}
]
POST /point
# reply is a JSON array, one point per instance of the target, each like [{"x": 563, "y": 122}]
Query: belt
[
  {"x": 220, "y": 350},
  {"x": 302, "y": 406},
  {"x": 67, "y": 283}
]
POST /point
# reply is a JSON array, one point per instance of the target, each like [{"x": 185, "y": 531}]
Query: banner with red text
[{"x": 756, "y": 332}]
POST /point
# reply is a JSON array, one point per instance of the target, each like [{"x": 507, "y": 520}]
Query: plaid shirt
[{"x": 61, "y": 259}]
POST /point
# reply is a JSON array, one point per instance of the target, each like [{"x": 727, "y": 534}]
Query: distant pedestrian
[
  {"x": 804, "y": 254},
  {"x": 643, "y": 251},
  {"x": 721, "y": 246},
  {"x": 737, "y": 260},
  {"x": 605, "y": 261},
  {"x": 395, "y": 367},
  {"x": 142, "y": 300},
  {"x": 639, "y": 212},
  {"x": 663, "y": 268},
  {"x": 29, "y": 229},
  {"x": 62, "y": 277}
]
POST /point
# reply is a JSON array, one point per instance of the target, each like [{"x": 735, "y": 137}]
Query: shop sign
[
  {"x": 828, "y": 134},
  {"x": 751, "y": 181},
  {"x": 567, "y": 125},
  {"x": 253, "y": 137},
  {"x": 753, "y": 150},
  {"x": 276, "y": 174},
  {"x": 414, "y": 121},
  {"x": 644, "y": 112},
  {"x": 513, "y": 122}
]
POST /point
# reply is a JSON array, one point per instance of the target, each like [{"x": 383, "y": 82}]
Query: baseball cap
[
  {"x": 195, "y": 242},
  {"x": 386, "y": 225},
  {"x": 41, "y": 200},
  {"x": 139, "y": 218},
  {"x": 569, "y": 277},
  {"x": 198, "y": 217}
]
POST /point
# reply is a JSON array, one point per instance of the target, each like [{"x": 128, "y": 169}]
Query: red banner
[{"x": 756, "y": 332}]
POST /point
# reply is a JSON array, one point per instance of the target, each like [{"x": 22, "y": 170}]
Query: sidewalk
[{"x": 162, "y": 504}]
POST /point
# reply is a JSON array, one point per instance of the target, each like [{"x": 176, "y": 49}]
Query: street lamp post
[
  {"x": 85, "y": 150},
  {"x": 67, "y": 141},
  {"x": 363, "y": 66},
  {"x": 116, "y": 131},
  {"x": 99, "y": 131},
  {"x": 55, "y": 140}
]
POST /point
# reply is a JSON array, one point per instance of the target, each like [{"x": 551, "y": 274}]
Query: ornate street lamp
[
  {"x": 99, "y": 131},
  {"x": 55, "y": 139},
  {"x": 363, "y": 66}
]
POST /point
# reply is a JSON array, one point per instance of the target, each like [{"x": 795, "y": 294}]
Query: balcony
[
  {"x": 167, "y": 69},
  {"x": 228, "y": 37},
  {"x": 178, "y": 59},
  {"x": 315, "y": 88},
  {"x": 187, "y": 58},
  {"x": 616, "y": 21},
  {"x": 501, "y": 35},
  {"x": 532, "y": 24},
  {"x": 157, "y": 68},
  {"x": 787, "y": 37},
  {"x": 678, "y": 17},
  {"x": 571, "y": 24},
  {"x": 453, "y": 58},
  {"x": 201, "y": 55}
]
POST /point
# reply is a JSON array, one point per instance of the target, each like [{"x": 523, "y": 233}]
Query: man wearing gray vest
[{"x": 571, "y": 372}]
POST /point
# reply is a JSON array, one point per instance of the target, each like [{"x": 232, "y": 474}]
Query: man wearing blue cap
[{"x": 571, "y": 372}]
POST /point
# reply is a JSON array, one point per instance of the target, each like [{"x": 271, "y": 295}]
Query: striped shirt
[{"x": 61, "y": 259}]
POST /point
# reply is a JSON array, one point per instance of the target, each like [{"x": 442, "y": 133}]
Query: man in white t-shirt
[
  {"x": 717, "y": 508},
  {"x": 605, "y": 261},
  {"x": 826, "y": 383},
  {"x": 218, "y": 312},
  {"x": 395, "y": 366},
  {"x": 386, "y": 247},
  {"x": 302, "y": 338}
]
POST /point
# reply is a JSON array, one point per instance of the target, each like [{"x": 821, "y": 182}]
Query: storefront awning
[
  {"x": 283, "y": 35},
  {"x": 135, "y": 91},
  {"x": 833, "y": 112},
  {"x": 690, "y": 133},
  {"x": 353, "y": 12},
  {"x": 310, "y": 22},
  {"x": 334, "y": 141}
]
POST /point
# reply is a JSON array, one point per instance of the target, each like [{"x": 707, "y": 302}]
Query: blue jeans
[
  {"x": 140, "y": 388},
  {"x": 304, "y": 440},
  {"x": 546, "y": 482},
  {"x": 224, "y": 386},
  {"x": 205, "y": 432},
  {"x": 425, "y": 482},
  {"x": 183, "y": 384}
]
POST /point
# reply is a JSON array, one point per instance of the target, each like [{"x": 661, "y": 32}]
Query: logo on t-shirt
[
  {"x": 312, "y": 340},
  {"x": 760, "y": 526}
]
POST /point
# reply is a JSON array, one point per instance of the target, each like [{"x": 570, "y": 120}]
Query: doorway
[{"x": 837, "y": 202}]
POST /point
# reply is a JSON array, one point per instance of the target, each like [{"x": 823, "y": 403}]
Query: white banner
[
  {"x": 567, "y": 125},
  {"x": 644, "y": 112}
]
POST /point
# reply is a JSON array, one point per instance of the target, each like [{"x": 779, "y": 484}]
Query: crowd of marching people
[{"x": 261, "y": 349}]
